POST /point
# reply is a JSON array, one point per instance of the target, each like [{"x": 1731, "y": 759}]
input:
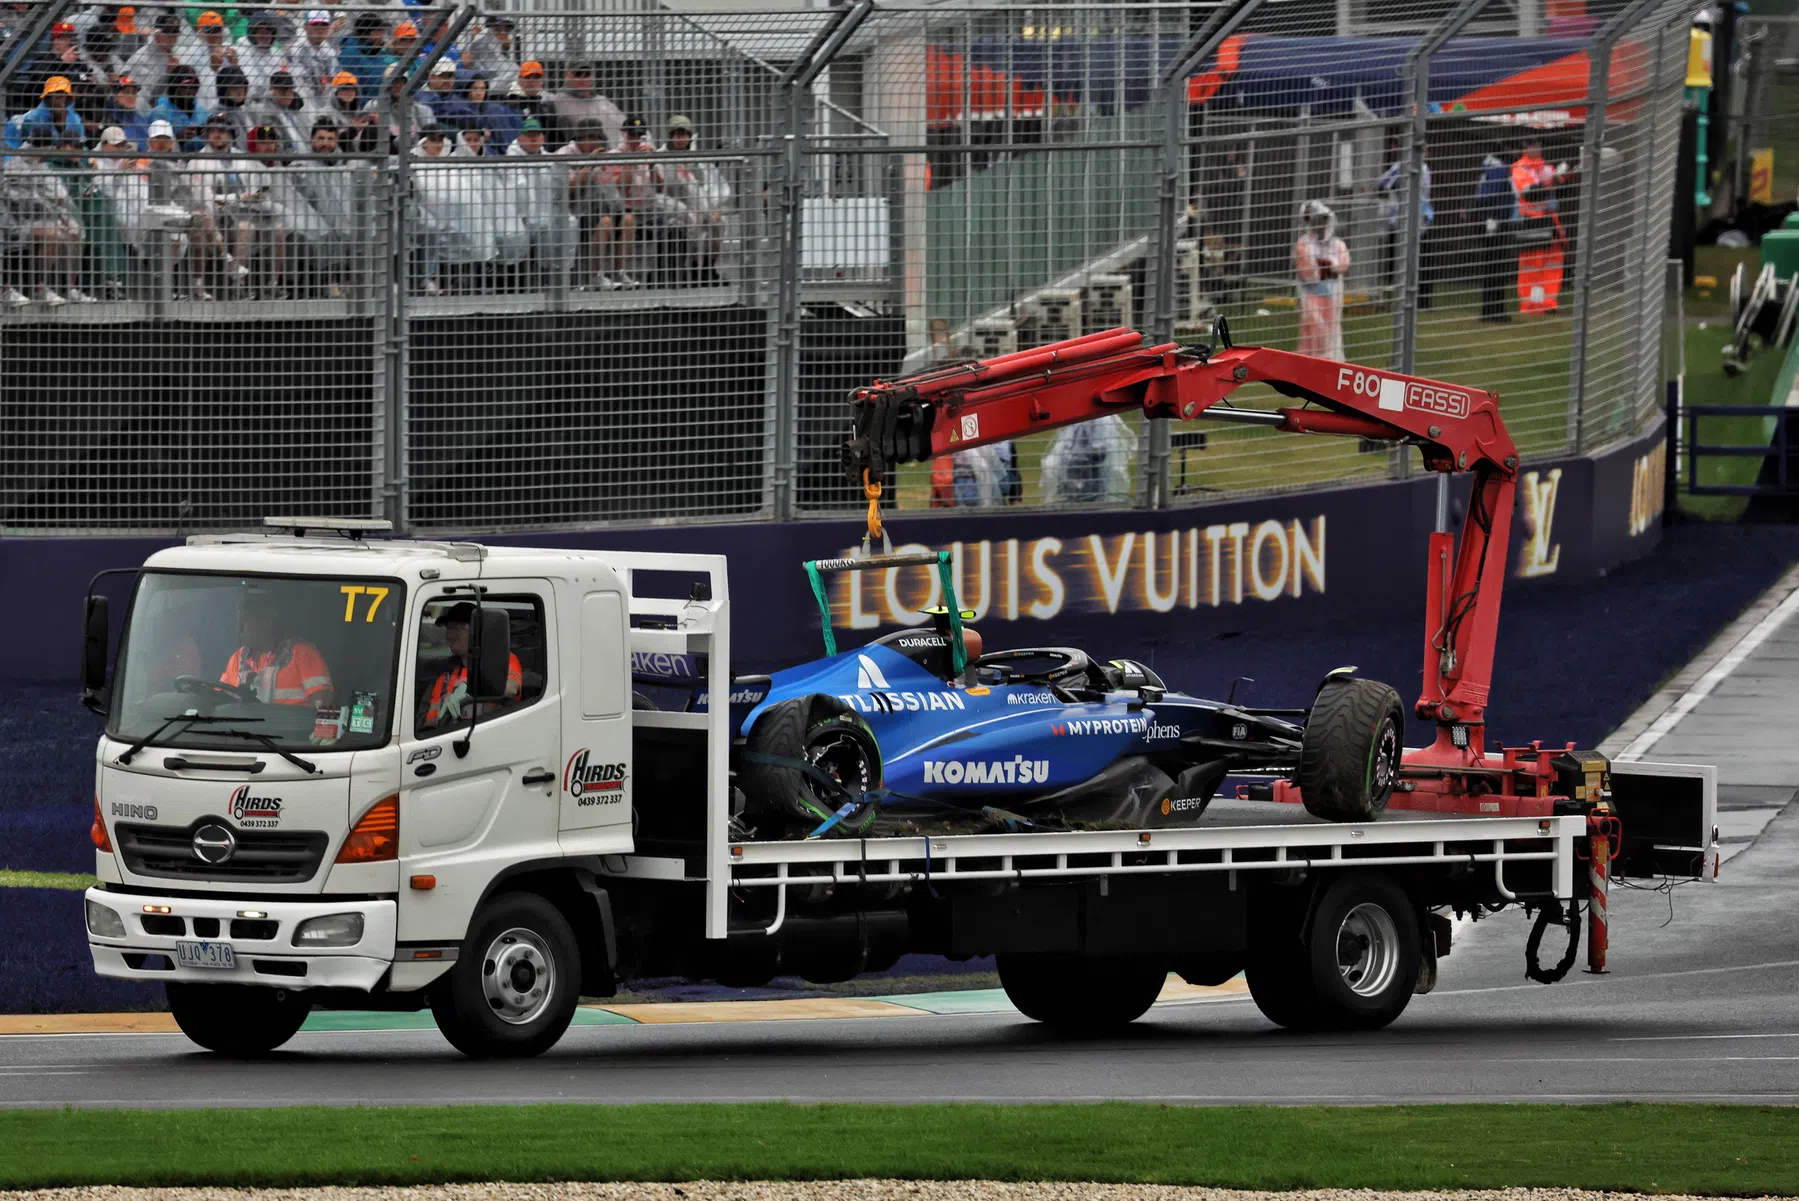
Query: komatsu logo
[
  {"x": 255, "y": 811},
  {"x": 1100, "y": 725},
  {"x": 1017, "y": 770},
  {"x": 593, "y": 783}
]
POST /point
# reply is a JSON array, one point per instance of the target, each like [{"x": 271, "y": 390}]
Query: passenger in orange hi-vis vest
[
  {"x": 1321, "y": 259},
  {"x": 449, "y": 699},
  {"x": 279, "y": 669},
  {"x": 1540, "y": 232}
]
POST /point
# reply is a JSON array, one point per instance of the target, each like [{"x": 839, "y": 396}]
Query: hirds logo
[
  {"x": 868, "y": 675},
  {"x": 244, "y": 805},
  {"x": 1101, "y": 725},
  {"x": 581, "y": 777}
]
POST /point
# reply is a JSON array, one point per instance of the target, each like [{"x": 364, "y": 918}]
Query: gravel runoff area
[{"x": 825, "y": 1190}]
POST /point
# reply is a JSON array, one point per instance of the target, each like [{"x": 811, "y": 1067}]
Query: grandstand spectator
[
  {"x": 151, "y": 63},
  {"x": 43, "y": 214},
  {"x": 456, "y": 210},
  {"x": 213, "y": 194},
  {"x": 59, "y": 58},
  {"x": 286, "y": 110},
  {"x": 259, "y": 54},
  {"x": 364, "y": 53},
  {"x": 256, "y": 207},
  {"x": 1090, "y": 463},
  {"x": 127, "y": 109},
  {"x": 538, "y": 194},
  {"x": 693, "y": 200},
  {"x": 120, "y": 19},
  {"x": 313, "y": 59},
  {"x": 406, "y": 36},
  {"x": 356, "y": 123},
  {"x": 475, "y": 111},
  {"x": 491, "y": 52},
  {"x": 406, "y": 119},
  {"x": 637, "y": 184},
  {"x": 327, "y": 210},
  {"x": 528, "y": 99},
  {"x": 603, "y": 229},
  {"x": 122, "y": 179},
  {"x": 216, "y": 49},
  {"x": 54, "y": 117},
  {"x": 180, "y": 106},
  {"x": 440, "y": 85},
  {"x": 473, "y": 141},
  {"x": 577, "y": 100},
  {"x": 234, "y": 102},
  {"x": 101, "y": 65}
]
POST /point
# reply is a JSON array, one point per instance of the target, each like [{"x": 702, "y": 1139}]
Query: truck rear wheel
[
  {"x": 1349, "y": 755},
  {"x": 517, "y": 978},
  {"x": 1353, "y": 966},
  {"x": 1082, "y": 993},
  {"x": 236, "y": 1019}
]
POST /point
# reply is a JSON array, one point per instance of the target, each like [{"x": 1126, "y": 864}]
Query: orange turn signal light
[
  {"x": 102, "y": 840},
  {"x": 375, "y": 837},
  {"x": 427, "y": 954},
  {"x": 424, "y": 883}
]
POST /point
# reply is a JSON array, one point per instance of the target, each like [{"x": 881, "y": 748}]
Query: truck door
[
  {"x": 498, "y": 800},
  {"x": 597, "y": 789}
]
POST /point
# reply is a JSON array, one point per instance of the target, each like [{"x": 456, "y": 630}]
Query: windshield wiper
[
  {"x": 268, "y": 740},
  {"x": 186, "y": 719}
]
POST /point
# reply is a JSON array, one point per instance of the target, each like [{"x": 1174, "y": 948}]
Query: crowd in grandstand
[{"x": 236, "y": 144}]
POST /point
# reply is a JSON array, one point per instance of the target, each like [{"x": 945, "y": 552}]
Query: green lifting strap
[
  {"x": 958, "y": 653},
  {"x": 815, "y": 569},
  {"x": 824, "y": 606}
]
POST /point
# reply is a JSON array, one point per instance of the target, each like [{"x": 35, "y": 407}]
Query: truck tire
[
  {"x": 1349, "y": 755},
  {"x": 822, "y": 731},
  {"x": 1366, "y": 952},
  {"x": 236, "y": 1019},
  {"x": 1277, "y": 967},
  {"x": 1082, "y": 994},
  {"x": 517, "y": 977}
]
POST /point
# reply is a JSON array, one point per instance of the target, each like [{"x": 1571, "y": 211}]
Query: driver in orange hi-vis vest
[
  {"x": 278, "y": 669},
  {"x": 450, "y": 700}
]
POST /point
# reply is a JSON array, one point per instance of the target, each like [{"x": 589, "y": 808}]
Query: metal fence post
[
  {"x": 1170, "y": 196},
  {"x": 1598, "y": 91},
  {"x": 1644, "y": 259}
]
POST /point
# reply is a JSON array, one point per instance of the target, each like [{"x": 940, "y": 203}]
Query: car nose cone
[{"x": 214, "y": 843}]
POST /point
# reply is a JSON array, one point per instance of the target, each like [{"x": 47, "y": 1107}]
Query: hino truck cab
[{"x": 324, "y": 756}]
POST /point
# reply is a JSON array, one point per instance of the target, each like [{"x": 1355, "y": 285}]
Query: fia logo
[
  {"x": 868, "y": 675},
  {"x": 1541, "y": 552}
]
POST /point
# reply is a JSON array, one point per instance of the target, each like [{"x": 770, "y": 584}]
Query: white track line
[{"x": 1703, "y": 686}]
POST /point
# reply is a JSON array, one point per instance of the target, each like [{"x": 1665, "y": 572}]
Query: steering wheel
[
  {"x": 1070, "y": 665},
  {"x": 201, "y": 686}
]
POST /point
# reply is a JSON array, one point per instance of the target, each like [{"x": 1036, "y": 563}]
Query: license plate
[{"x": 193, "y": 953}]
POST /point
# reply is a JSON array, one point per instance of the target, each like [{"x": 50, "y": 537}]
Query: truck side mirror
[
  {"x": 495, "y": 654},
  {"x": 95, "y": 633}
]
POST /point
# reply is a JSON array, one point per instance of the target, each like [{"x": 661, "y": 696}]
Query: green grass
[
  {"x": 69, "y": 880},
  {"x": 1706, "y": 383},
  {"x": 1650, "y": 1148}
]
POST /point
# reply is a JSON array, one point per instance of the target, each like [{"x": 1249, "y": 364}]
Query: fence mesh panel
[{"x": 624, "y": 265}]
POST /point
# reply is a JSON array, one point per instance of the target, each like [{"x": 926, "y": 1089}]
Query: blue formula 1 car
[{"x": 920, "y": 726}]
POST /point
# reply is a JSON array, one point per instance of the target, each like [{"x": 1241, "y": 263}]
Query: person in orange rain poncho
[
  {"x": 1541, "y": 239},
  {"x": 1321, "y": 260}
]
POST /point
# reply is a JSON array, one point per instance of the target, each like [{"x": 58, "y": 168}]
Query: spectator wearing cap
[
  {"x": 528, "y": 98},
  {"x": 101, "y": 64},
  {"x": 286, "y": 110},
  {"x": 215, "y": 42},
  {"x": 326, "y": 206},
  {"x": 539, "y": 195},
  {"x": 474, "y": 110},
  {"x": 234, "y": 102},
  {"x": 120, "y": 19},
  {"x": 491, "y": 52},
  {"x": 127, "y": 108},
  {"x": 694, "y": 197},
  {"x": 405, "y": 37},
  {"x": 406, "y": 119},
  {"x": 168, "y": 186},
  {"x": 217, "y": 184},
  {"x": 577, "y": 99},
  {"x": 60, "y": 57},
  {"x": 358, "y": 125},
  {"x": 259, "y": 54},
  {"x": 313, "y": 58},
  {"x": 151, "y": 63},
  {"x": 440, "y": 85},
  {"x": 364, "y": 53},
  {"x": 120, "y": 179},
  {"x": 180, "y": 105},
  {"x": 260, "y": 216},
  {"x": 605, "y": 232},
  {"x": 637, "y": 183},
  {"x": 54, "y": 116},
  {"x": 44, "y": 217}
]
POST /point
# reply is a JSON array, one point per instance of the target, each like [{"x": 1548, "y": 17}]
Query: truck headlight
[
  {"x": 103, "y": 922},
  {"x": 332, "y": 930}
]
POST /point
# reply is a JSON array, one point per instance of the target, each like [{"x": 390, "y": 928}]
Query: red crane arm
[{"x": 1457, "y": 428}]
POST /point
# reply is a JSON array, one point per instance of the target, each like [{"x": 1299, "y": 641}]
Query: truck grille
[{"x": 269, "y": 856}]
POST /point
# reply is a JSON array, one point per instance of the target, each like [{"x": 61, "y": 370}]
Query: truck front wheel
[
  {"x": 517, "y": 978},
  {"x": 1082, "y": 993},
  {"x": 236, "y": 1019}
]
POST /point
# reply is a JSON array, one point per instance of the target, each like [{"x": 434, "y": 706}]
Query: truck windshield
[{"x": 258, "y": 662}]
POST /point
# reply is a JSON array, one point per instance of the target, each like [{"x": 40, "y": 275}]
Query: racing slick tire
[
  {"x": 822, "y": 731},
  {"x": 1082, "y": 993},
  {"x": 236, "y": 1019},
  {"x": 1349, "y": 756},
  {"x": 517, "y": 978}
]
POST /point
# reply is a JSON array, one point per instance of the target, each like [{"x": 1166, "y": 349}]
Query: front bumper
[{"x": 271, "y": 960}]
